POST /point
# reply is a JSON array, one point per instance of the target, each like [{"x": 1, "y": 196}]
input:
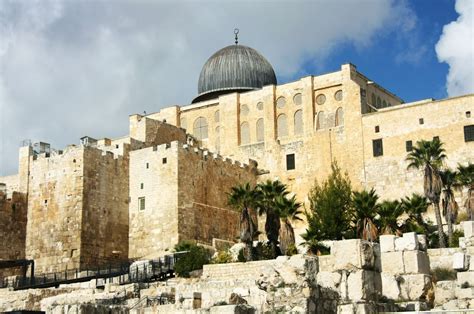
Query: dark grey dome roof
[{"x": 231, "y": 69}]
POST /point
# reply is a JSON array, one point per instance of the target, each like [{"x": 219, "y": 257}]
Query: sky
[{"x": 75, "y": 68}]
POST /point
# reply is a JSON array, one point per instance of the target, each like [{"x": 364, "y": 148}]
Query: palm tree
[
  {"x": 288, "y": 209},
  {"x": 365, "y": 211},
  {"x": 390, "y": 212},
  {"x": 429, "y": 156},
  {"x": 450, "y": 207},
  {"x": 245, "y": 198},
  {"x": 415, "y": 206},
  {"x": 465, "y": 178},
  {"x": 268, "y": 192}
]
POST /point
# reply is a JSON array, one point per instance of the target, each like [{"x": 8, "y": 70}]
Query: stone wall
[
  {"x": 13, "y": 212},
  {"x": 185, "y": 195}
]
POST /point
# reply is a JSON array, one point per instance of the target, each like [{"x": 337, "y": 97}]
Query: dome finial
[{"x": 236, "y": 32}]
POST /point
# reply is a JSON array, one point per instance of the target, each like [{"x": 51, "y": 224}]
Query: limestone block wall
[
  {"x": 204, "y": 181},
  {"x": 153, "y": 177},
  {"x": 154, "y": 132},
  {"x": 184, "y": 190},
  {"x": 12, "y": 184},
  {"x": 13, "y": 212},
  {"x": 55, "y": 203},
  {"x": 104, "y": 229}
]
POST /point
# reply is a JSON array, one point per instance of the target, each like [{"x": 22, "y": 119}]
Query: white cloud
[
  {"x": 74, "y": 68},
  {"x": 456, "y": 48}
]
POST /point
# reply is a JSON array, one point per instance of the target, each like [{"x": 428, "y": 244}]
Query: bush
[
  {"x": 462, "y": 216},
  {"x": 241, "y": 257},
  {"x": 196, "y": 257},
  {"x": 456, "y": 235},
  {"x": 291, "y": 250},
  {"x": 222, "y": 258},
  {"x": 264, "y": 251},
  {"x": 441, "y": 273}
]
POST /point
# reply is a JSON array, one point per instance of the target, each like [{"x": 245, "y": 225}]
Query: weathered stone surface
[
  {"x": 445, "y": 291},
  {"x": 232, "y": 309},
  {"x": 387, "y": 243},
  {"x": 353, "y": 253},
  {"x": 390, "y": 286},
  {"x": 330, "y": 280},
  {"x": 361, "y": 285},
  {"x": 409, "y": 241},
  {"x": 236, "y": 299},
  {"x": 422, "y": 242},
  {"x": 468, "y": 227},
  {"x": 465, "y": 279},
  {"x": 465, "y": 293},
  {"x": 415, "y": 287},
  {"x": 460, "y": 261},
  {"x": 392, "y": 263},
  {"x": 416, "y": 262}
]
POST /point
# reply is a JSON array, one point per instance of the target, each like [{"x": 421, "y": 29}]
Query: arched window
[
  {"x": 244, "y": 133},
  {"x": 298, "y": 99},
  {"x": 218, "y": 139},
  {"x": 183, "y": 123},
  {"x": 216, "y": 116},
  {"x": 200, "y": 128},
  {"x": 281, "y": 102},
  {"x": 282, "y": 127},
  {"x": 260, "y": 130},
  {"x": 384, "y": 104},
  {"x": 379, "y": 102},
  {"x": 374, "y": 101},
  {"x": 298, "y": 122},
  {"x": 339, "y": 116},
  {"x": 260, "y": 105},
  {"x": 320, "y": 122}
]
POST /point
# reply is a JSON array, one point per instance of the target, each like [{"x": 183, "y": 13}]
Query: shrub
[
  {"x": 456, "y": 235},
  {"x": 264, "y": 251},
  {"x": 291, "y": 250},
  {"x": 462, "y": 216},
  {"x": 196, "y": 257},
  {"x": 241, "y": 256},
  {"x": 222, "y": 258},
  {"x": 441, "y": 273}
]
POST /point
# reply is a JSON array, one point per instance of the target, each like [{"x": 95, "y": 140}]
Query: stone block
[
  {"x": 326, "y": 263},
  {"x": 362, "y": 308},
  {"x": 414, "y": 287},
  {"x": 465, "y": 293},
  {"x": 460, "y": 261},
  {"x": 354, "y": 253},
  {"x": 422, "y": 242},
  {"x": 416, "y": 262},
  {"x": 468, "y": 227},
  {"x": 330, "y": 280},
  {"x": 390, "y": 286},
  {"x": 232, "y": 309},
  {"x": 409, "y": 241},
  {"x": 445, "y": 291},
  {"x": 392, "y": 263},
  {"x": 465, "y": 279},
  {"x": 361, "y": 285},
  {"x": 387, "y": 243}
]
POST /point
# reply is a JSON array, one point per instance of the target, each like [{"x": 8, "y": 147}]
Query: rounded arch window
[
  {"x": 260, "y": 130},
  {"x": 281, "y": 102},
  {"x": 320, "y": 121},
  {"x": 339, "y": 117},
  {"x": 260, "y": 105},
  {"x": 298, "y": 122},
  {"x": 384, "y": 104},
  {"x": 244, "y": 110},
  {"x": 200, "y": 128},
  {"x": 320, "y": 99},
  {"x": 298, "y": 99},
  {"x": 183, "y": 123},
  {"x": 216, "y": 116},
  {"x": 244, "y": 133},
  {"x": 374, "y": 101},
  {"x": 379, "y": 102},
  {"x": 282, "y": 126},
  {"x": 338, "y": 95}
]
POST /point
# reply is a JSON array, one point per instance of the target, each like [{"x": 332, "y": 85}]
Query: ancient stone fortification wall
[
  {"x": 12, "y": 183},
  {"x": 183, "y": 194},
  {"x": 153, "y": 177},
  {"x": 55, "y": 203},
  {"x": 204, "y": 181},
  {"x": 154, "y": 132},
  {"x": 104, "y": 234},
  {"x": 77, "y": 209}
]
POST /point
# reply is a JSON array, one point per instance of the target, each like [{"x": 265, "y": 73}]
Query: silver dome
[{"x": 235, "y": 68}]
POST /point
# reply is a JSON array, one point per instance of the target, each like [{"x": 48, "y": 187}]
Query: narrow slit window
[
  {"x": 409, "y": 146},
  {"x": 469, "y": 133},
  {"x": 290, "y": 162},
  {"x": 377, "y": 146},
  {"x": 141, "y": 203}
]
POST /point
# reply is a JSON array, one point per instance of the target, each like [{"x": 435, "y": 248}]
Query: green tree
[
  {"x": 448, "y": 202},
  {"x": 429, "y": 156},
  {"x": 415, "y": 206},
  {"x": 365, "y": 210},
  {"x": 245, "y": 199},
  {"x": 389, "y": 212},
  {"x": 269, "y": 191},
  {"x": 465, "y": 178},
  {"x": 194, "y": 259},
  {"x": 330, "y": 211},
  {"x": 288, "y": 210}
]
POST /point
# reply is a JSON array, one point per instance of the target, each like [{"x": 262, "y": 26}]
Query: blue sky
[
  {"x": 75, "y": 68},
  {"x": 418, "y": 75}
]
